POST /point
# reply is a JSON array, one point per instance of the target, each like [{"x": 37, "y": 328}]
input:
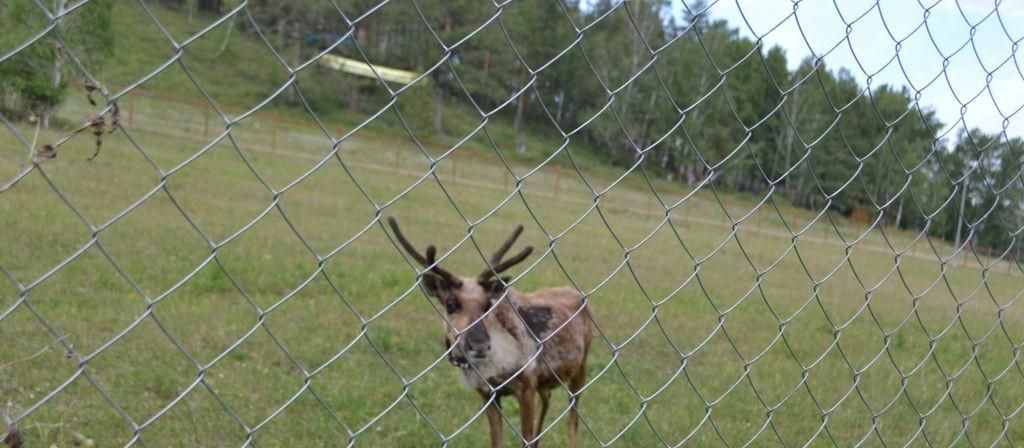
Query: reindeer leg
[
  {"x": 575, "y": 385},
  {"x": 545, "y": 399},
  {"x": 494, "y": 420},
  {"x": 527, "y": 409}
]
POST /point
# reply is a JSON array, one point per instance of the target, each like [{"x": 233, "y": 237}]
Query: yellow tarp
[{"x": 361, "y": 68}]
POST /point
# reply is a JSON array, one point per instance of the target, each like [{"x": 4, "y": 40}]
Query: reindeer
[{"x": 496, "y": 333}]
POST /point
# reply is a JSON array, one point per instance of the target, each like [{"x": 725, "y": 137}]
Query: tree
[
  {"x": 538, "y": 30},
  {"x": 35, "y": 80},
  {"x": 814, "y": 134}
]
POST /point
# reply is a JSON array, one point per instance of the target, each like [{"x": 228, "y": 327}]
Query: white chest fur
[{"x": 507, "y": 356}]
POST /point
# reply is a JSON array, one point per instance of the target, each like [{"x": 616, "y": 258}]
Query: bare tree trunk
[
  {"x": 439, "y": 91},
  {"x": 353, "y": 97},
  {"x": 58, "y": 63},
  {"x": 799, "y": 193},
  {"x": 281, "y": 28},
  {"x": 561, "y": 103},
  {"x": 57, "y": 79},
  {"x": 960, "y": 217},
  {"x": 439, "y": 110},
  {"x": 518, "y": 124},
  {"x": 789, "y": 134},
  {"x": 645, "y": 124},
  {"x": 296, "y": 54},
  {"x": 634, "y": 66},
  {"x": 227, "y": 36},
  {"x": 899, "y": 212}
]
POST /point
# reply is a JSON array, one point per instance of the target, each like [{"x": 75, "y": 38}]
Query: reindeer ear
[{"x": 434, "y": 284}]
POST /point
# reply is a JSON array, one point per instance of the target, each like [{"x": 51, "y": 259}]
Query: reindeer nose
[
  {"x": 477, "y": 351},
  {"x": 478, "y": 342}
]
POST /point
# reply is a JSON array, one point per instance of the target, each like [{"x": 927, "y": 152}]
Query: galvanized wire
[{"x": 667, "y": 209}]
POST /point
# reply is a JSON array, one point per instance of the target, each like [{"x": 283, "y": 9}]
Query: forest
[{"x": 685, "y": 96}]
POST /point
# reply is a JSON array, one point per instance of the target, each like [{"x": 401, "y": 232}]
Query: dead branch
[{"x": 100, "y": 124}]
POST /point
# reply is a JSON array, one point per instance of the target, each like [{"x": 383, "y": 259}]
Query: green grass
[
  {"x": 88, "y": 302},
  {"x": 241, "y": 292}
]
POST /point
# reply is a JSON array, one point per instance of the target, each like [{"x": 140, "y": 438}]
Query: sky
[{"x": 875, "y": 28}]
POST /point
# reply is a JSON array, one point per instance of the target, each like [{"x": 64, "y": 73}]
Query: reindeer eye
[{"x": 451, "y": 306}]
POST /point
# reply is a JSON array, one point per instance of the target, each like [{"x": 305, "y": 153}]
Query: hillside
[{"x": 220, "y": 274}]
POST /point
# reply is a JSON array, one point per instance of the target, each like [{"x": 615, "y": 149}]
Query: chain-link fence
[{"x": 770, "y": 253}]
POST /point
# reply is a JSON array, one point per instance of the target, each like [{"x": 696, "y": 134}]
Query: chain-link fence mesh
[{"x": 223, "y": 273}]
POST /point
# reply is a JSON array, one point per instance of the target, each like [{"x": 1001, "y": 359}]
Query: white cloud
[
  {"x": 976, "y": 9},
  {"x": 922, "y": 53}
]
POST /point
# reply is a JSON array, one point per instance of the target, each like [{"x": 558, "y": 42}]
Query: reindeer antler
[
  {"x": 427, "y": 261},
  {"x": 496, "y": 266},
  {"x": 500, "y": 253}
]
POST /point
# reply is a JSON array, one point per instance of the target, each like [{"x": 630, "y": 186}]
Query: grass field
[
  {"x": 305, "y": 327},
  {"x": 263, "y": 288}
]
